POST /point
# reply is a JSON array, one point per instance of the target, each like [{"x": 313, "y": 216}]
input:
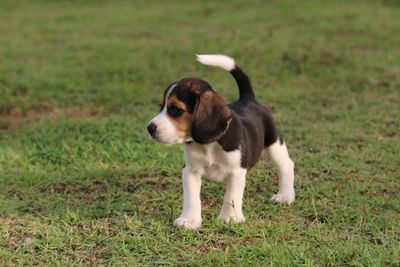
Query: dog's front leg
[
  {"x": 191, "y": 214},
  {"x": 231, "y": 210}
]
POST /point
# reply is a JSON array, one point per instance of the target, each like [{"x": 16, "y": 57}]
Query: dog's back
[{"x": 251, "y": 123}]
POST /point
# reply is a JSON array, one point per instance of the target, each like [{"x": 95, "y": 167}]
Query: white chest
[{"x": 211, "y": 160}]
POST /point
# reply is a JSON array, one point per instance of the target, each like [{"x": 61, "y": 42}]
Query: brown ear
[{"x": 211, "y": 118}]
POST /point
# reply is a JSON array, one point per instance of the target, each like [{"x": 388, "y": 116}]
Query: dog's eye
[{"x": 174, "y": 111}]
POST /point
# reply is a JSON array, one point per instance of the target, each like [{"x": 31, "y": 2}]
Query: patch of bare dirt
[
  {"x": 13, "y": 119},
  {"x": 159, "y": 182},
  {"x": 14, "y": 221},
  {"x": 16, "y": 236},
  {"x": 315, "y": 219},
  {"x": 214, "y": 245},
  {"x": 89, "y": 193}
]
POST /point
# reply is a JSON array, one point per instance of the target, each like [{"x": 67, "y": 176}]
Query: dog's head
[{"x": 190, "y": 110}]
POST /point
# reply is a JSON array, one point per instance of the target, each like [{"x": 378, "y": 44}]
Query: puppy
[{"x": 221, "y": 141}]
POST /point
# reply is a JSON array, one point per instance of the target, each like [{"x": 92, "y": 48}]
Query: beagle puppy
[{"x": 221, "y": 141}]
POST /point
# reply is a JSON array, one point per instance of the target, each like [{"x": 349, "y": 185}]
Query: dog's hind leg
[{"x": 280, "y": 156}]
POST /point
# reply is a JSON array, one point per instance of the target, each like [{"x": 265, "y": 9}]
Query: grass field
[{"x": 82, "y": 184}]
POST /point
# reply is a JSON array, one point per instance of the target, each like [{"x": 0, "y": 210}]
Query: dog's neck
[{"x": 232, "y": 134}]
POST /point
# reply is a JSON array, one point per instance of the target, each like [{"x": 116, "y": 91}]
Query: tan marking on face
[
  {"x": 182, "y": 123},
  {"x": 173, "y": 100}
]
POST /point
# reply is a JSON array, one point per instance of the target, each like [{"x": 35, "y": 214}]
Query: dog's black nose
[{"x": 151, "y": 128}]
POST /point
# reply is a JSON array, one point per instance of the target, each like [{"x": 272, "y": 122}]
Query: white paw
[
  {"x": 287, "y": 198},
  {"x": 187, "y": 223},
  {"x": 231, "y": 218},
  {"x": 228, "y": 214}
]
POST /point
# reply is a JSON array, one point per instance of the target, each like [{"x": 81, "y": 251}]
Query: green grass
[{"x": 82, "y": 184}]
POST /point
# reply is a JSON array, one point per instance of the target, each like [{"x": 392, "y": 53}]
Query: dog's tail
[{"x": 228, "y": 63}]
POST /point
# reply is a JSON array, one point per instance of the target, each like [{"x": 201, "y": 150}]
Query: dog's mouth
[
  {"x": 159, "y": 140},
  {"x": 170, "y": 142}
]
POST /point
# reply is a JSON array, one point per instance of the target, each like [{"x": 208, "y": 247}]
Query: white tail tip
[{"x": 221, "y": 61}]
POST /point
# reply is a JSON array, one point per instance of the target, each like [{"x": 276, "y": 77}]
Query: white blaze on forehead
[{"x": 169, "y": 91}]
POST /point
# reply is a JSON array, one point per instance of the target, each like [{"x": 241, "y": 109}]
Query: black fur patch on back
[{"x": 251, "y": 130}]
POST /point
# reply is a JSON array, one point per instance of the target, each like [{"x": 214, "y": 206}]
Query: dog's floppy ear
[{"x": 211, "y": 118}]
